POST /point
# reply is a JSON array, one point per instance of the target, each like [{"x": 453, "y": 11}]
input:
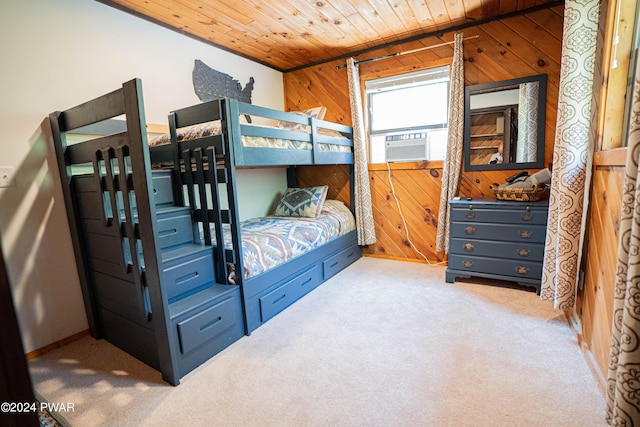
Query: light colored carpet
[{"x": 383, "y": 343}]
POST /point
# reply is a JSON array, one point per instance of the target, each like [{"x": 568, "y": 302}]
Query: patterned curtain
[
  {"x": 452, "y": 164},
  {"x": 623, "y": 391},
  {"x": 572, "y": 154},
  {"x": 527, "y": 122},
  {"x": 363, "y": 209}
]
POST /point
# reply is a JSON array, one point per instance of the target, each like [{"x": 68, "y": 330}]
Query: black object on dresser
[{"x": 497, "y": 240}]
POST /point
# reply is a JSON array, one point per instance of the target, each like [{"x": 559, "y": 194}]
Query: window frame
[{"x": 369, "y": 114}]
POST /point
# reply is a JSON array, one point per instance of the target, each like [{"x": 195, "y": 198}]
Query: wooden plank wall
[
  {"x": 515, "y": 47},
  {"x": 594, "y": 304},
  {"x": 593, "y": 312},
  {"x": 510, "y": 48}
]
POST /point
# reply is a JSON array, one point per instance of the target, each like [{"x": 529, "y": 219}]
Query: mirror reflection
[{"x": 504, "y": 124}]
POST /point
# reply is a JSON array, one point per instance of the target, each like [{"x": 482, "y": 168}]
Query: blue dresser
[{"x": 497, "y": 240}]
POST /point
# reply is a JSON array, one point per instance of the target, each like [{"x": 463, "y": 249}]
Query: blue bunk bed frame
[
  {"x": 150, "y": 285},
  {"x": 268, "y": 293}
]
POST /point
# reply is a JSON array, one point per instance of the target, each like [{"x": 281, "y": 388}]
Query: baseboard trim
[
  {"x": 393, "y": 258},
  {"x": 576, "y": 326},
  {"x": 593, "y": 365},
  {"x": 61, "y": 343}
]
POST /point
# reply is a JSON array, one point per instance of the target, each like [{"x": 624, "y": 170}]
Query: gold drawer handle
[
  {"x": 467, "y": 264},
  {"x": 526, "y": 234},
  {"x": 470, "y": 215},
  {"x": 522, "y": 270},
  {"x": 468, "y": 247},
  {"x": 470, "y": 230},
  {"x": 524, "y": 252},
  {"x": 526, "y": 217}
]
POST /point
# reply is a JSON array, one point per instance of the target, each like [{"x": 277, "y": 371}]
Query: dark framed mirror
[{"x": 504, "y": 124}]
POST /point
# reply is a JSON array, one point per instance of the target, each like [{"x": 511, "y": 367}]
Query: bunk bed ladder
[
  {"x": 114, "y": 235},
  {"x": 197, "y": 178},
  {"x": 230, "y": 137},
  {"x": 203, "y": 175},
  {"x": 207, "y": 316}
]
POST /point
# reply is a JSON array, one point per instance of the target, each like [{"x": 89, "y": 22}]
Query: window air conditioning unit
[{"x": 406, "y": 150}]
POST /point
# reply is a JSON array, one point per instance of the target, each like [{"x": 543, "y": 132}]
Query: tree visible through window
[{"x": 408, "y": 116}]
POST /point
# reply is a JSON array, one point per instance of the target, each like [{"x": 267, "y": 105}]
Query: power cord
[{"x": 404, "y": 222}]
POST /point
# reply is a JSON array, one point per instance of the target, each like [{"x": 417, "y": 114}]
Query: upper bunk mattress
[{"x": 213, "y": 128}]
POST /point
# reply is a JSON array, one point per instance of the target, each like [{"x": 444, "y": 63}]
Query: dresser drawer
[
  {"x": 500, "y": 232},
  {"x": 505, "y": 267},
  {"x": 524, "y": 251},
  {"x": 524, "y": 215}
]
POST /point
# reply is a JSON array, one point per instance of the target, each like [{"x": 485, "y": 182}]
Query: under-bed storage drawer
[
  {"x": 339, "y": 261},
  {"x": 283, "y": 296}
]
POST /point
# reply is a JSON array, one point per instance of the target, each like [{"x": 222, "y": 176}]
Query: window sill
[
  {"x": 610, "y": 157},
  {"x": 427, "y": 164}
]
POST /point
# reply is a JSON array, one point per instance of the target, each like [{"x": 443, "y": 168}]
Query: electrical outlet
[{"x": 7, "y": 178}]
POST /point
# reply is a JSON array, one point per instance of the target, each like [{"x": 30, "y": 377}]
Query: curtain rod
[{"x": 406, "y": 52}]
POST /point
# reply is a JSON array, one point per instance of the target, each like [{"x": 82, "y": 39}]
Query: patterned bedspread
[
  {"x": 271, "y": 241},
  {"x": 213, "y": 128}
]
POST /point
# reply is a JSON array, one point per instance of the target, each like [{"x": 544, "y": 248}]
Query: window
[{"x": 408, "y": 116}]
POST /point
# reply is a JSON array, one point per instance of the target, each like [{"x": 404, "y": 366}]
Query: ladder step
[{"x": 175, "y": 253}]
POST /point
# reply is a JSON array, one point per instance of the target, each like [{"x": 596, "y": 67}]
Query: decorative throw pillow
[
  {"x": 316, "y": 112},
  {"x": 302, "y": 202}
]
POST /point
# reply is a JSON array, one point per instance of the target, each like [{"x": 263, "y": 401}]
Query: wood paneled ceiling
[{"x": 289, "y": 34}]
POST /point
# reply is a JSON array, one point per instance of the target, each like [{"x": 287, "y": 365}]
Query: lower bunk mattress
[{"x": 271, "y": 241}]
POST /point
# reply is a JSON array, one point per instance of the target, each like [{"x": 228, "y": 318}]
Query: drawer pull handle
[
  {"x": 526, "y": 234},
  {"x": 524, "y": 252},
  {"x": 280, "y": 298},
  {"x": 467, "y": 264},
  {"x": 522, "y": 270},
  {"x": 526, "y": 217},
  {"x": 470, "y": 230},
  {"x": 210, "y": 323},
  {"x": 183, "y": 279},
  {"x": 468, "y": 247},
  {"x": 470, "y": 215},
  {"x": 165, "y": 233}
]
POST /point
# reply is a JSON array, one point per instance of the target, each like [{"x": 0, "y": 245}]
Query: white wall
[{"x": 57, "y": 54}]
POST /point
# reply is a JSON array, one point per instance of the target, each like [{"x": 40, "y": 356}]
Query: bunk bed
[{"x": 146, "y": 221}]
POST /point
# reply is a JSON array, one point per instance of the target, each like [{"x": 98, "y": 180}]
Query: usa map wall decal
[{"x": 210, "y": 84}]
